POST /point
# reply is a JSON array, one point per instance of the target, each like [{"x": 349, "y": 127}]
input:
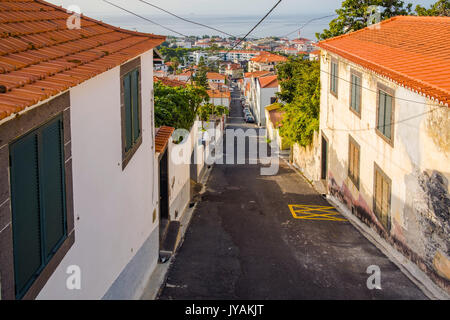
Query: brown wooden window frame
[
  {"x": 354, "y": 167},
  {"x": 390, "y": 92},
  {"x": 125, "y": 69},
  {"x": 384, "y": 216},
  {"x": 354, "y": 73}
]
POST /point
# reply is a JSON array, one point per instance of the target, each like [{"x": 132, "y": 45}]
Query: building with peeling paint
[{"x": 384, "y": 144}]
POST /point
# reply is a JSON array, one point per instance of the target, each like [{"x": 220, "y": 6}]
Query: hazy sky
[
  {"x": 215, "y": 7},
  {"x": 233, "y": 16}
]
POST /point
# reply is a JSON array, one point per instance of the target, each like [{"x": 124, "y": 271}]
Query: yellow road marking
[{"x": 314, "y": 212}]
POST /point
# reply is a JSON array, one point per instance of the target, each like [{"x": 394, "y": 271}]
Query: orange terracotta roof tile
[
  {"x": 162, "y": 137},
  {"x": 267, "y": 57},
  {"x": 215, "y": 76},
  {"x": 268, "y": 81},
  {"x": 256, "y": 74},
  {"x": 219, "y": 94},
  {"x": 276, "y": 117},
  {"x": 411, "y": 51},
  {"x": 186, "y": 74},
  {"x": 169, "y": 82},
  {"x": 40, "y": 57}
]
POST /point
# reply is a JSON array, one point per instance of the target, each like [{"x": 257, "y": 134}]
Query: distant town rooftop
[
  {"x": 267, "y": 57},
  {"x": 169, "y": 82},
  {"x": 268, "y": 81},
  {"x": 411, "y": 51},
  {"x": 215, "y": 76}
]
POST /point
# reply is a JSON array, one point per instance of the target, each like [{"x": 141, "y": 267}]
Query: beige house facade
[{"x": 385, "y": 141}]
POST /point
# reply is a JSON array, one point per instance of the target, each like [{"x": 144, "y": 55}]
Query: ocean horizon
[{"x": 277, "y": 25}]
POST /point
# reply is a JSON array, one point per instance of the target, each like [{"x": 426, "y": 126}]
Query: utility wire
[
  {"x": 376, "y": 91},
  {"x": 186, "y": 20},
  {"x": 308, "y": 22},
  {"x": 242, "y": 39},
  {"x": 260, "y": 21},
  {"x": 388, "y": 124},
  {"x": 139, "y": 16}
]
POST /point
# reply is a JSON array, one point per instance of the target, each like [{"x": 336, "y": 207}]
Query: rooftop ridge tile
[{"x": 407, "y": 50}]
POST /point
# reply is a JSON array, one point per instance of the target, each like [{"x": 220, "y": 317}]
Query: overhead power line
[
  {"x": 142, "y": 17},
  {"x": 306, "y": 23},
  {"x": 186, "y": 20},
  {"x": 248, "y": 33},
  {"x": 260, "y": 21},
  {"x": 386, "y": 125},
  {"x": 376, "y": 91}
]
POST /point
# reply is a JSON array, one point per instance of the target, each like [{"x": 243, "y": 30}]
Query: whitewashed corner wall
[{"x": 113, "y": 208}]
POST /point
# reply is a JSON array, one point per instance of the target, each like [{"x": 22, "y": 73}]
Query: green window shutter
[
  {"x": 25, "y": 211},
  {"x": 387, "y": 116},
  {"x": 128, "y": 112},
  {"x": 357, "y": 94},
  {"x": 332, "y": 78},
  {"x": 335, "y": 82},
  {"x": 135, "y": 104},
  {"x": 353, "y": 94},
  {"x": 381, "y": 109},
  {"x": 52, "y": 187}
]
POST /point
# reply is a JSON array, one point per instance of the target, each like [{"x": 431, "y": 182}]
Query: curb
[
  {"x": 412, "y": 271},
  {"x": 158, "y": 277},
  {"x": 408, "y": 268}
]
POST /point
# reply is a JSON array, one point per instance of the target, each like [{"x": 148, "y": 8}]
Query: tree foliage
[
  {"x": 208, "y": 110},
  {"x": 171, "y": 53},
  {"x": 440, "y": 8},
  {"x": 300, "y": 91},
  {"x": 356, "y": 14},
  {"x": 201, "y": 79},
  {"x": 178, "y": 106}
]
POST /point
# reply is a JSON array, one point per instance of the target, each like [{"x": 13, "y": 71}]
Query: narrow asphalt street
[{"x": 245, "y": 243}]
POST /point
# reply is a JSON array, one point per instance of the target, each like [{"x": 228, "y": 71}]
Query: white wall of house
[
  {"x": 113, "y": 208},
  {"x": 220, "y": 102},
  {"x": 420, "y": 147},
  {"x": 179, "y": 176},
  {"x": 262, "y": 100},
  {"x": 216, "y": 81}
]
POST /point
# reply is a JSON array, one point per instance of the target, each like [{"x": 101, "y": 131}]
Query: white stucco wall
[
  {"x": 220, "y": 102},
  {"x": 113, "y": 208},
  {"x": 420, "y": 146},
  {"x": 262, "y": 96}
]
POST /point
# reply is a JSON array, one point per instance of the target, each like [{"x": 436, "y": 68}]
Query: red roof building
[
  {"x": 268, "y": 81},
  {"x": 408, "y": 50},
  {"x": 41, "y": 57}
]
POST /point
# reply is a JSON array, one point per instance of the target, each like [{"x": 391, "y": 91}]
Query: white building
[
  {"x": 87, "y": 124},
  {"x": 220, "y": 97},
  {"x": 196, "y": 56},
  {"x": 263, "y": 94},
  {"x": 385, "y": 133},
  {"x": 215, "y": 78},
  {"x": 239, "y": 55}
]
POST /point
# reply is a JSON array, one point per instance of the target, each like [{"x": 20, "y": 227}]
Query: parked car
[{"x": 250, "y": 119}]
